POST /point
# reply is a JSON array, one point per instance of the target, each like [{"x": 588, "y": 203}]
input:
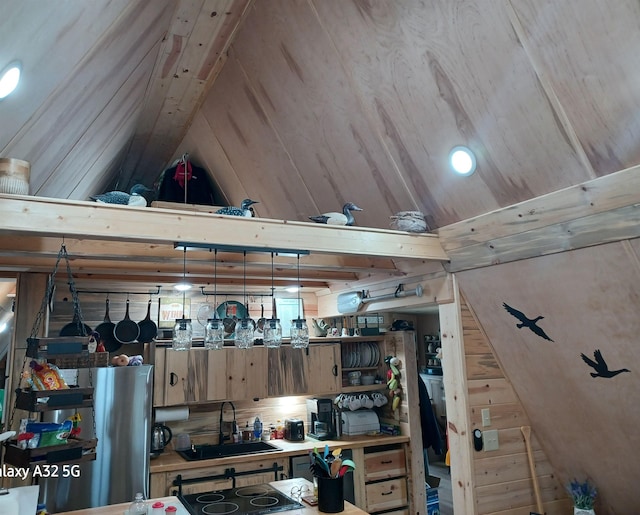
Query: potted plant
[{"x": 584, "y": 495}]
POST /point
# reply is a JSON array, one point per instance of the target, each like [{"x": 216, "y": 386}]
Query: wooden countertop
[
  {"x": 171, "y": 461},
  {"x": 284, "y": 486}
]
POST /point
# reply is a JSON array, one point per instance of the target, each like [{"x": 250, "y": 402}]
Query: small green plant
[{"x": 584, "y": 494}]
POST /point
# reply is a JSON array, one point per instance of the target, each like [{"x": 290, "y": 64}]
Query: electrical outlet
[
  {"x": 486, "y": 417},
  {"x": 490, "y": 440}
]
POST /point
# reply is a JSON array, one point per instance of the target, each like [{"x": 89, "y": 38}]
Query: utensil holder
[{"x": 331, "y": 494}]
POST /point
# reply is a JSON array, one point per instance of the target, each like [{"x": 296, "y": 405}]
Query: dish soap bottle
[
  {"x": 257, "y": 428},
  {"x": 138, "y": 506}
]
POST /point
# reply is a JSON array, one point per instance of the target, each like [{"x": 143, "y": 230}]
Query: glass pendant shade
[
  {"x": 214, "y": 334},
  {"x": 299, "y": 334},
  {"x": 245, "y": 328},
  {"x": 182, "y": 334},
  {"x": 272, "y": 336}
]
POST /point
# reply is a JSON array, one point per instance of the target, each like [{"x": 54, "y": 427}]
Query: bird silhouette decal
[
  {"x": 527, "y": 322},
  {"x": 600, "y": 366}
]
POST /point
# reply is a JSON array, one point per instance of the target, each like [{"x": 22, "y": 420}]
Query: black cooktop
[{"x": 255, "y": 500}]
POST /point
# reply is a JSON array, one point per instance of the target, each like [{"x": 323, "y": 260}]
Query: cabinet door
[
  {"x": 303, "y": 371},
  {"x": 194, "y": 376},
  {"x": 246, "y": 373}
]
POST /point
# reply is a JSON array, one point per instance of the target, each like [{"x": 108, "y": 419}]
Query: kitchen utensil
[
  {"x": 160, "y": 437},
  {"x": 335, "y": 467},
  {"x": 75, "y": 327},
  {"x": 205, "y": 312},
  {"x": 148, "y": 328},
  {"x": 526, "y": 432},
  {"x": 105, "y": 330},
  {"x": 262, "y": 319},
  {"x": 126, "y": 331}
]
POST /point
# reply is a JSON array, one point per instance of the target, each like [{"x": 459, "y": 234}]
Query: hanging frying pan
[
  {"x": 230, "y": 312},
  {"x": 126, "y": 331},
  {"x": 105, "y": 330},
  {"x": 75, "y": 328},
  {"x": 148, "y": 328}
]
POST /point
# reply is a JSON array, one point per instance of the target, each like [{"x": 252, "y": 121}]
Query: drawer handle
[
  {"x": 334, "y": 370},
  {"x": 386, "y": 462},
  {"x": 173, "y": 379},
  {"x": 387, "y": 493}
]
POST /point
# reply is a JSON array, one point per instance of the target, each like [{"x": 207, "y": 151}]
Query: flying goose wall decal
[
  {"x": 529, "y": 323},
  {"x": 600, "y": 366}
]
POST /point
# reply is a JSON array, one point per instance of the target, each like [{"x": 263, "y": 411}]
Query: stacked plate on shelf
[{"x": 360, "y": 355}]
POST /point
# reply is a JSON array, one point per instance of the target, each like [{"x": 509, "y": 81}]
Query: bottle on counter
[
  {"x": 279, "y": 430},
  {"x": 257, "y": 428},
  {"x": 272, "y": 430},
  {"x": 138, "y": 506}
]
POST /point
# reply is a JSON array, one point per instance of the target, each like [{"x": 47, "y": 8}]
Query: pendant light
[
  {"x": 245, "y": 327},
  {"x": 272, "y": 337},
  {"x": 214, "y": 331},
  {"x": 299, "y": 327},
  {"x": 183, "y": 330}
]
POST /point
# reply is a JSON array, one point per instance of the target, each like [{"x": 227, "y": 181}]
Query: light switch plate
[
  {"x": 490, "y": 440},
  {"x": 486, "y": 417}
]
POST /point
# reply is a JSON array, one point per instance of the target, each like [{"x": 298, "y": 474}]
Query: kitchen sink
[{"x": 211, "y": 451}]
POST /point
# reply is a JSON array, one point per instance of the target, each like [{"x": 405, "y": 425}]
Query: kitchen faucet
[{"x": 224, "y": 437}]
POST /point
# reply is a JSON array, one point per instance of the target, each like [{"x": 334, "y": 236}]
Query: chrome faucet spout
[{"x": 224, "y": 436}]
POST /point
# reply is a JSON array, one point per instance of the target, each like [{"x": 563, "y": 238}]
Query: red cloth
[{"x": 180, "y": 172}]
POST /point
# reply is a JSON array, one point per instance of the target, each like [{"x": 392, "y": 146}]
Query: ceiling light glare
[
  {"x": 292, "y": 289},
  {"x": 9, "y": 79},
  {"x": 182, "y": 286},
  {"x": 462, "y": 160}
]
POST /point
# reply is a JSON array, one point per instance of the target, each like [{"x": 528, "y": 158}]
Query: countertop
[
  {"x": 171, "y": 461},
  {"x": 284, "y": 486}
]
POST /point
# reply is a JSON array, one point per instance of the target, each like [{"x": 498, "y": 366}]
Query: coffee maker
[{"x": 320, "y": 419}]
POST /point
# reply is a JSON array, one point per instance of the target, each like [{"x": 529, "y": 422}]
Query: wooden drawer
[
  {"x": 386, "y": 495},
  {"x": 384, "y": 464}
]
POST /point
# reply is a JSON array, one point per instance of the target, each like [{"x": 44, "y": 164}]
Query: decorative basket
[
  {"x": 14, "y": 176},
  {"x": 412, "y": 221}
]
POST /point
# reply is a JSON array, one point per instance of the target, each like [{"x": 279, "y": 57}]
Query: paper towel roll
[{"x": 172, "y": 414}]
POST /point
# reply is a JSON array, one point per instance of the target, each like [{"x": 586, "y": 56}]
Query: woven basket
[
  {"x": 412, "y": 221},
  {"x": 14, "y": 176}
]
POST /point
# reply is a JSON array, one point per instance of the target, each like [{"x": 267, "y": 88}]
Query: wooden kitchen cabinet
[
  {"x": 186, "y": 377},
  {"x": 315, "y": 370},
  {"x": 209, "y": 478},
  {"x": 246, "y": 373},
  {"x": 385, "y": 477}
]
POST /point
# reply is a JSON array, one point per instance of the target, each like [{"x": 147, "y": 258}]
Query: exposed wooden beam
[
  {"x": 92, "y": 221},
  {"x": 603, "y": 210}
]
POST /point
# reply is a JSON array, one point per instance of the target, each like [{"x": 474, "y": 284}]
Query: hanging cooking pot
[
  {"x": 262, "y": 319},
  {"x": 230, "y": 312},
  {"x": 126, "y": 331},
  {"x": 75, "y": 327},
  {"x": 105, "y": 330},
  {"x": 148, "y": 328}
]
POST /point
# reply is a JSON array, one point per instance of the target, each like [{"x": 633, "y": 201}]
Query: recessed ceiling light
[
  {"x": 462, "y": 160},
  {"x": 9, "y": 78}
]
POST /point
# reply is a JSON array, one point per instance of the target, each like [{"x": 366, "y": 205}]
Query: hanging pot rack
[{"x": 127, "y": 293}]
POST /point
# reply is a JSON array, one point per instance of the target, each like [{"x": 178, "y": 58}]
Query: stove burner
[
  {"x": 209, "y": 498},
  {"x": 252, "y": 491},
  {"x": 264, "y": 501},
  {"x": 220, "y": 508}
]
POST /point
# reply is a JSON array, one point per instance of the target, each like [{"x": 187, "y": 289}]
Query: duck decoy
[
  {"x": 133, "y": 198},
  {"x": 344, "y": 218},
  {"x": 243, "y": 210},
  {"x": 527, "y": 322},
  {"x": 601, "y": 367}
]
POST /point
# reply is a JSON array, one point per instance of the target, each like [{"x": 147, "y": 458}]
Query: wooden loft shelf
[{"x": 39, "y": 216}]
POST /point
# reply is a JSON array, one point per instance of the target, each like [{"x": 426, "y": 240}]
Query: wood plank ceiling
[{"x": 306, "y": 104}]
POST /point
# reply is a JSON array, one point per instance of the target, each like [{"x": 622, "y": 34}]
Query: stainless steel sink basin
[{"x": 210, "y": 451}]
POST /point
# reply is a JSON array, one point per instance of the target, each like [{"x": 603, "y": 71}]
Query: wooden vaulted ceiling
[{"x": 306, "y": 104}]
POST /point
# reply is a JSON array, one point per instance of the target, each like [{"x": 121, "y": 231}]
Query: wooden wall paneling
[
  {"x": 598, "y": 125},
  {"x": 459, "y": 430},
  {"x": 75, "y": 112},
  {"x": 48, "y": 70},
  {"x": 583, "y": 312},
  {"x": 394, "y": 37},
  {"x": 508, "y": 467},
  {"x": 482, "y": 366},
  {"x": 519, "y": 494},
  {"x": 302, "y": 84},
  {"x": 490, "y": 391}
]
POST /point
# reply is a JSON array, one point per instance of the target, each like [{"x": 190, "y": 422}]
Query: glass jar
[
  {"x": 244, "y": 333},
  {"x": 299, "y": 334},
  {"x": 272, "y": 333},
  {"x": 214, "y": 334},
  {"x": 182, "y": 334}
]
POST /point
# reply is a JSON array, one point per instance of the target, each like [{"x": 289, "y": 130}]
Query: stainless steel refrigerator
[{"x": 122, "y": 406}]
